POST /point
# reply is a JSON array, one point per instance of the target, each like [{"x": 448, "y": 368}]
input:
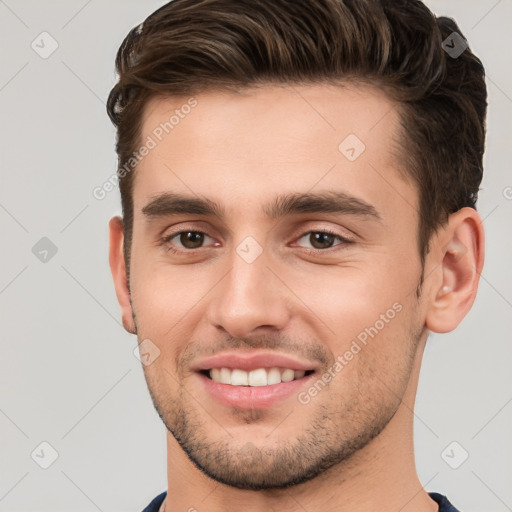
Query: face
[{"x": 274, "y": 269}]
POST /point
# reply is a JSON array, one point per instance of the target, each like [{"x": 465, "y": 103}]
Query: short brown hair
[{"x": 191, "y": 46}]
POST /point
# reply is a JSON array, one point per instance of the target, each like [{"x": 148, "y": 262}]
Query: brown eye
[
  {"x": 320, "y": 240},
  {"x": 191, "y": 239},
  {"x": 186, "y": 241}
]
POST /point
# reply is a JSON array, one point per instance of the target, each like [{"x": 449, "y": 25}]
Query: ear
[
  {"x": 458, "y": 252},
  {"x": 118, "y": 268}
]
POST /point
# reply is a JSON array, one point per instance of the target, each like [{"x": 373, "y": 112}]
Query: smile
[{"x": 255, "y": 378}]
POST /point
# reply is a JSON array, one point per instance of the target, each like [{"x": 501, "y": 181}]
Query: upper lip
[{"x": 253, "y": 360}]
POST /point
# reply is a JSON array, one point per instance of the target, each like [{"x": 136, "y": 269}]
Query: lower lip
[{"x": 252, "y": 397}]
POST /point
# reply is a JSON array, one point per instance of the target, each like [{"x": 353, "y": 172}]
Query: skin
[{"x": 351, "y": 445}]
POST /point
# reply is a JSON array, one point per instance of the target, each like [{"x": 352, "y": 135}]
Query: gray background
[{"x": 68, "y": 375}]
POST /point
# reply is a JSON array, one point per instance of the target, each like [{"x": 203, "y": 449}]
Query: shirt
[{"x": 442, "y": 501}]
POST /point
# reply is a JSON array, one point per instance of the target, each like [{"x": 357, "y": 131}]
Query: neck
[{"x": 381, "y": 476}]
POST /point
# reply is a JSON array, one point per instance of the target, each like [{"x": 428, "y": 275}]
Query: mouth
[
  {"x": 250, "y": 380},
  {"x": 254, "y": 378}
]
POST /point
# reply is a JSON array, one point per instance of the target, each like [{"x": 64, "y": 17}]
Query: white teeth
[
  {"x": 273, "y": 376},
  {"x": 225, "y": 376},
  {"x": 287, "y": 376},
  {"x": 239, "y": 378},
  {"x": 258, "y": 377}
]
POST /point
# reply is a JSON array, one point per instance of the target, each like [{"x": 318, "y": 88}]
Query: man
[{"x": 298, "y": 183}]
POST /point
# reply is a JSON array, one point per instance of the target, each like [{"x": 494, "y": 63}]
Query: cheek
[
  {"x": 376, "y": 359},
  {"x": 371, "y": 318},
  {"x": 168, "y": 300},
  {"x": 348, "y": 299}
]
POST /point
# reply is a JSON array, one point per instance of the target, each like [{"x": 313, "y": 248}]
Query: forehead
[
  {"x": 315, "y": 114},
  {"x": 269, "y": 138}
]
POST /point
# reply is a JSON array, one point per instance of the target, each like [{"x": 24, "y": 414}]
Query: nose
[{"x": 250, "y": 297}]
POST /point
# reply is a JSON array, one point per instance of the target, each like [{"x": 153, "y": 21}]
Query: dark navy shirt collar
[{"x": 442, "y": 501}]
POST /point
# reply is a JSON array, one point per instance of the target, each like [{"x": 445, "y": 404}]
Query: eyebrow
[{"x": 170, "y": 203}]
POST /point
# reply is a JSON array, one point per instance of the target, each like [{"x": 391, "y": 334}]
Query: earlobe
[
  {"x": 460, "y": 255},
  {"x": 118, "y": 269}
]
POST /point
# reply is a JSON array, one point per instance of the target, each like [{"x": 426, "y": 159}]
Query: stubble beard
[{"x": 335, "y": 433}]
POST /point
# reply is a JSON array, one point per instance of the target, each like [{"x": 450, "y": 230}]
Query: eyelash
[{"x": 344, "y": 241}]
